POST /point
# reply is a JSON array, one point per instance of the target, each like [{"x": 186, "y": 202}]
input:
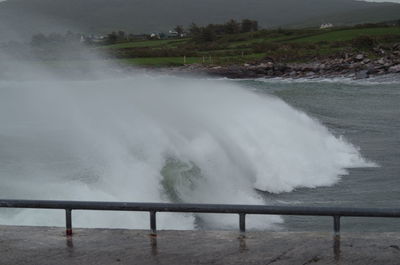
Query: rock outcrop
[{"x": 357, "y": 66}]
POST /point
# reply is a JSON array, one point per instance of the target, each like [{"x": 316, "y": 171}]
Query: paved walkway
[{"x": 36, "y": 246}]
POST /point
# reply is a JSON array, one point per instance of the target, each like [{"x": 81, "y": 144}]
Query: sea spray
[{"x": 148, "y": 138}]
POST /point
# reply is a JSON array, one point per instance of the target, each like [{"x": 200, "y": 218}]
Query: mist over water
[{"x": 106, "y": 135}]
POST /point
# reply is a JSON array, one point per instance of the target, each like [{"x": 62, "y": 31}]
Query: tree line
[
  {"x": 206, "y": 33},
  {"x": 212, "y": 31},
  {"x": 198, "y": 33}
]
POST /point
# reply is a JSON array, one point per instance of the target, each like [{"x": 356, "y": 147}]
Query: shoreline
[{"x": 355, "y": 66}]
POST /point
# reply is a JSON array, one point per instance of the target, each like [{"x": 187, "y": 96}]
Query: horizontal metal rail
[{"x": 241, "y": 210}]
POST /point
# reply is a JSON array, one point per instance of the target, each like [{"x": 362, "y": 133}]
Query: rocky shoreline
[{"x": 350, "y": 65}]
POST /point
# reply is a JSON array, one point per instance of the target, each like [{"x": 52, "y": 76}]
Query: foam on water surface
[{"x": 142, "y": 138}]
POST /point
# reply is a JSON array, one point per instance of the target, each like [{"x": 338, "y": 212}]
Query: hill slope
[{"x": 32, "y": 16}]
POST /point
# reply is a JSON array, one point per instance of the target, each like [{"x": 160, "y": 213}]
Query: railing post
[
  {"x": 242, "y": 222},
  {"x": 68, "y": 221},
  {"x": 336, "y": 225},
  {"x": 153, "y": 226}
]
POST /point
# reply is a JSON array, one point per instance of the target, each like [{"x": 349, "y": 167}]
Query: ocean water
[
  {"x": 107, "y": 135},
  {"x": 365, "y": 112}
]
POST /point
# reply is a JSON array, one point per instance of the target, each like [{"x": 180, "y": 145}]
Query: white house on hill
[{"x": 326, "y": 26}]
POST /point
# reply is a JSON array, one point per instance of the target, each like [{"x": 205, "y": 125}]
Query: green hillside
[
  {"x": 282, "y": 45},
  {"x": 349, "y": 34}
]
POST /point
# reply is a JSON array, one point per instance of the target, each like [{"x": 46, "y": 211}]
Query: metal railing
[{"x": 241, "y": 210}]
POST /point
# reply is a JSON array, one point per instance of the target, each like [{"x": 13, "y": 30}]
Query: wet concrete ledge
[{"x": 43, "y": 245}]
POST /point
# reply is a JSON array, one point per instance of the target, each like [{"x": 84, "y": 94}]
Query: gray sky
[{"x": 396, "y": 1}]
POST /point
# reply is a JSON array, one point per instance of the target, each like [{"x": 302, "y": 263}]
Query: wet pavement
[{"x": 43, "y": 245}]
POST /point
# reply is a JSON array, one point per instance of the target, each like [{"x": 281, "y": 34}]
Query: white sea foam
[
  {"x": 109, "y": 138},
  {"x": 388, "y": 79}
]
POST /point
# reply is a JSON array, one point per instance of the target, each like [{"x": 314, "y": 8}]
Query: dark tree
[
  {"x": 247, "y": 25},
  {"x": 232, "y": 27},
  {"x": 112, "y": 38},
  {"x": 121, "y": 35},
  {"x": 194, "y": 29},
  {"x": 219, "y": 29},
  {"x": 179, "y": 29},
  {"x": 254, "y": 26},
  {"x": 208, "y": 34}
]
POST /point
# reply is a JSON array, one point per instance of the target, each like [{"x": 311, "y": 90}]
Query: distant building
[
  {"x": 175, "y": 34},
  {"x": 155, "y": 36},
  {"x": 172, "y": 34},
  {"x": 326, "y": 26}
]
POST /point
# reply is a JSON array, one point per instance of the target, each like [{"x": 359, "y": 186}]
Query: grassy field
[
  {"x": 349, "y": 34},
  {"x": 160, "y": 61},
  {"x": 146, "y": 43},
  {"x": 179, "y": 61},
  {"x": 280, "y": 44}
]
